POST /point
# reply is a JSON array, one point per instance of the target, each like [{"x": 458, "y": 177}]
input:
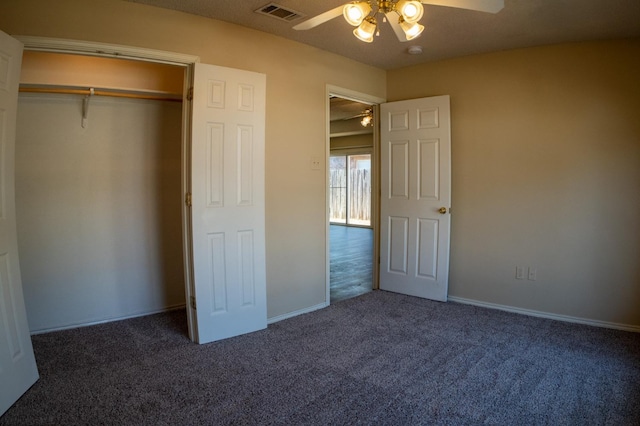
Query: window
[{"x": 350, "y": 189}]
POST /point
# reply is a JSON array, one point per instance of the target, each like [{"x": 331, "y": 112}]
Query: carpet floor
[{"x": 379, "y": 359}]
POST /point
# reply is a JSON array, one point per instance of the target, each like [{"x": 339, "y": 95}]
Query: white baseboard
[
  {"x": 104, "y": 321},
  {"x": 296, "y": 313},
  {"x": 540, "y": 314}
]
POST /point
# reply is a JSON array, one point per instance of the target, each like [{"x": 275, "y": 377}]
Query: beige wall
[
  {"x": 98, "y": 208},
  {"x": 297, "y": 76},
  {"x": 354, "y": 141},
  {"x": 546, "y": 173}
]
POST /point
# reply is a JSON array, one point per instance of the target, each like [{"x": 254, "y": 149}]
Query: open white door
[
  {"x": 17, "y": 363},
  {"x": 415, "y": 140},
  {"x": 228, "y": 222}
]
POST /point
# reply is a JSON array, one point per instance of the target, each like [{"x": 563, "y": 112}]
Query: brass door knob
[{"x": 442, "y": 210}]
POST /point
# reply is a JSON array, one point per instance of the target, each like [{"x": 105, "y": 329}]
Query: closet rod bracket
[{"x": 85, "y": 107}]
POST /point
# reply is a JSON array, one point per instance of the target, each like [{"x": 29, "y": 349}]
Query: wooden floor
[{"x": 351, "y": 265}]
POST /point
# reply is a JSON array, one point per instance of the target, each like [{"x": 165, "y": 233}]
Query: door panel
[
  {"x": 17, "y": 363},
  {"x": 416, "y": 177},
  {"x": 227, "y": 213},
  {"x": 429, "y": 180},
  {"x": 399, "y": 170},
  {"x": 398, "y": 243}
]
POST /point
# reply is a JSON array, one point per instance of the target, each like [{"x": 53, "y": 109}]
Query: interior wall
[
  {"x": 297, "y": 78},
  {"x": 106, "y": 73},
  {"x": 546, "y": 174},
  {"x": 354, "y": 141},
  {"x": 343, "y": 128},
  {"x": 99, "y": 208}
]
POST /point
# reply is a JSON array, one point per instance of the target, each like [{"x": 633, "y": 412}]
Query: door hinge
[
  {"x": 187, "y": 199},
  {"x": 193, "y": 302},
  {"x": 190, "y": 94}
]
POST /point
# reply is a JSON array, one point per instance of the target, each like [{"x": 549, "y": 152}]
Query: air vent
[{"x": 279, "y": 12}]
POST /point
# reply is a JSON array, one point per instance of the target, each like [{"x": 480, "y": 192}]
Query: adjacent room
[
  {"x": 351, "y": 223},
  {"x": 505, "y": 289}
]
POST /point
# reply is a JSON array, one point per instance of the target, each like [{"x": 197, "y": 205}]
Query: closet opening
[{"x": 99, "y": 184}]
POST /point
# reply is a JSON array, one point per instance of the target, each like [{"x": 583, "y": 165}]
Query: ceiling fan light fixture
[
  {"x": 411, "y": 30},
  {"x": 354, "y": 13},
  {"x": 367, "y": 117},
  {"x": 410, "y": 10},
  {"x": 366, "y": 30}
]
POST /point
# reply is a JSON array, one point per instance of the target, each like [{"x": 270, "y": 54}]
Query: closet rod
[{"x": 102, "y": 92}]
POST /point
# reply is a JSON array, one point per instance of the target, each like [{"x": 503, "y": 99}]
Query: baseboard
[
  {"x": 104, "y": 321},
  {"x": 540, "y": 314},
  {"x": 296, "y": 313},
  {"x": 168, "y": 309}
]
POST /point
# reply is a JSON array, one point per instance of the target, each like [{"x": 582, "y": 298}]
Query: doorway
[
  {"x": 106, "y": 171},
  {"x": 352, "y": 202}
]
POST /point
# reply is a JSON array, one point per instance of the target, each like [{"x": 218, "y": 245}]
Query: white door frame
[
  {"x": 353, "y": 95},
  {"x": 55, "y": 45}
]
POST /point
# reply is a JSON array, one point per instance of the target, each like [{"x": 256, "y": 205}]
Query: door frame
[
  {"x": 108, "y": 50},
  {"x": 375, "y": 102}
]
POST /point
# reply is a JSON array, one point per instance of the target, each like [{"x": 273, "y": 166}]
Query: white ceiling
[{"x": 449, "y": 32}]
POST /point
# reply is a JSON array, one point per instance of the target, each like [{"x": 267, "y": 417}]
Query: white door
[
  {"x": 17, "y": 363},
  {"x": 228, "y": 222},
  {"x": 415, "y": 140}
]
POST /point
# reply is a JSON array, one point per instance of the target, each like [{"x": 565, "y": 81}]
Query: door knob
[{"x": 442, "y": 210}]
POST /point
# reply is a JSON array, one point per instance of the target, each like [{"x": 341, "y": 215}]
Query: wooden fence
[{"x": 359, "y": 196}]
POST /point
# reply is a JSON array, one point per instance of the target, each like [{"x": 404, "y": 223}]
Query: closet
[{"x": 98, "y": 189}]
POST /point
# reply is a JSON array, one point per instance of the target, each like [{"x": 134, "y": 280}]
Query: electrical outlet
[
  {"x": 519, "y": 272},
  {"x": 533, "y": 272}
]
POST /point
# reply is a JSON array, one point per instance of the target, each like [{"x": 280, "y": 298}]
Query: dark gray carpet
[{"x": 381, "y": 358}]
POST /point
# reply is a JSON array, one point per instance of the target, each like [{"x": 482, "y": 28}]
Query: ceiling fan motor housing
[{"x": 386, "y": 6}]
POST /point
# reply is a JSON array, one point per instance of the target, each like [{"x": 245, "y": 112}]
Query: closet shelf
[{"x": 71, "y": 90}]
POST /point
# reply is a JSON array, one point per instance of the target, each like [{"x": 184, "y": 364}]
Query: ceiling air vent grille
[{"x": 279, "y": 12}]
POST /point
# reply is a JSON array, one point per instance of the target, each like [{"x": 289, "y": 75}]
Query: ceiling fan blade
[
  {"x": 490, "y": 6},
  {"x": 392, "y": 19},
  {"x": 320, "y": 19}
]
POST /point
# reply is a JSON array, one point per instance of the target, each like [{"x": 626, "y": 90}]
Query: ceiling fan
[{"x": 402, "y": 15}]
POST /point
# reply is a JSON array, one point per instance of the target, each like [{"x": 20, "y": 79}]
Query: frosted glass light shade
[
  {"x": 366, "y": 30},
  {"x": 411, "y": 11},
  {"x": 411, "y": 30},
  {"x": 354, "y": 13}
]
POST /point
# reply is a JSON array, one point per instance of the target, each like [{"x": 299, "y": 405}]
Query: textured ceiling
[
  {"x": 345, "y": 117},
  {"x": 345, "y": 109},
  {"x": 449, "y": 32}
]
